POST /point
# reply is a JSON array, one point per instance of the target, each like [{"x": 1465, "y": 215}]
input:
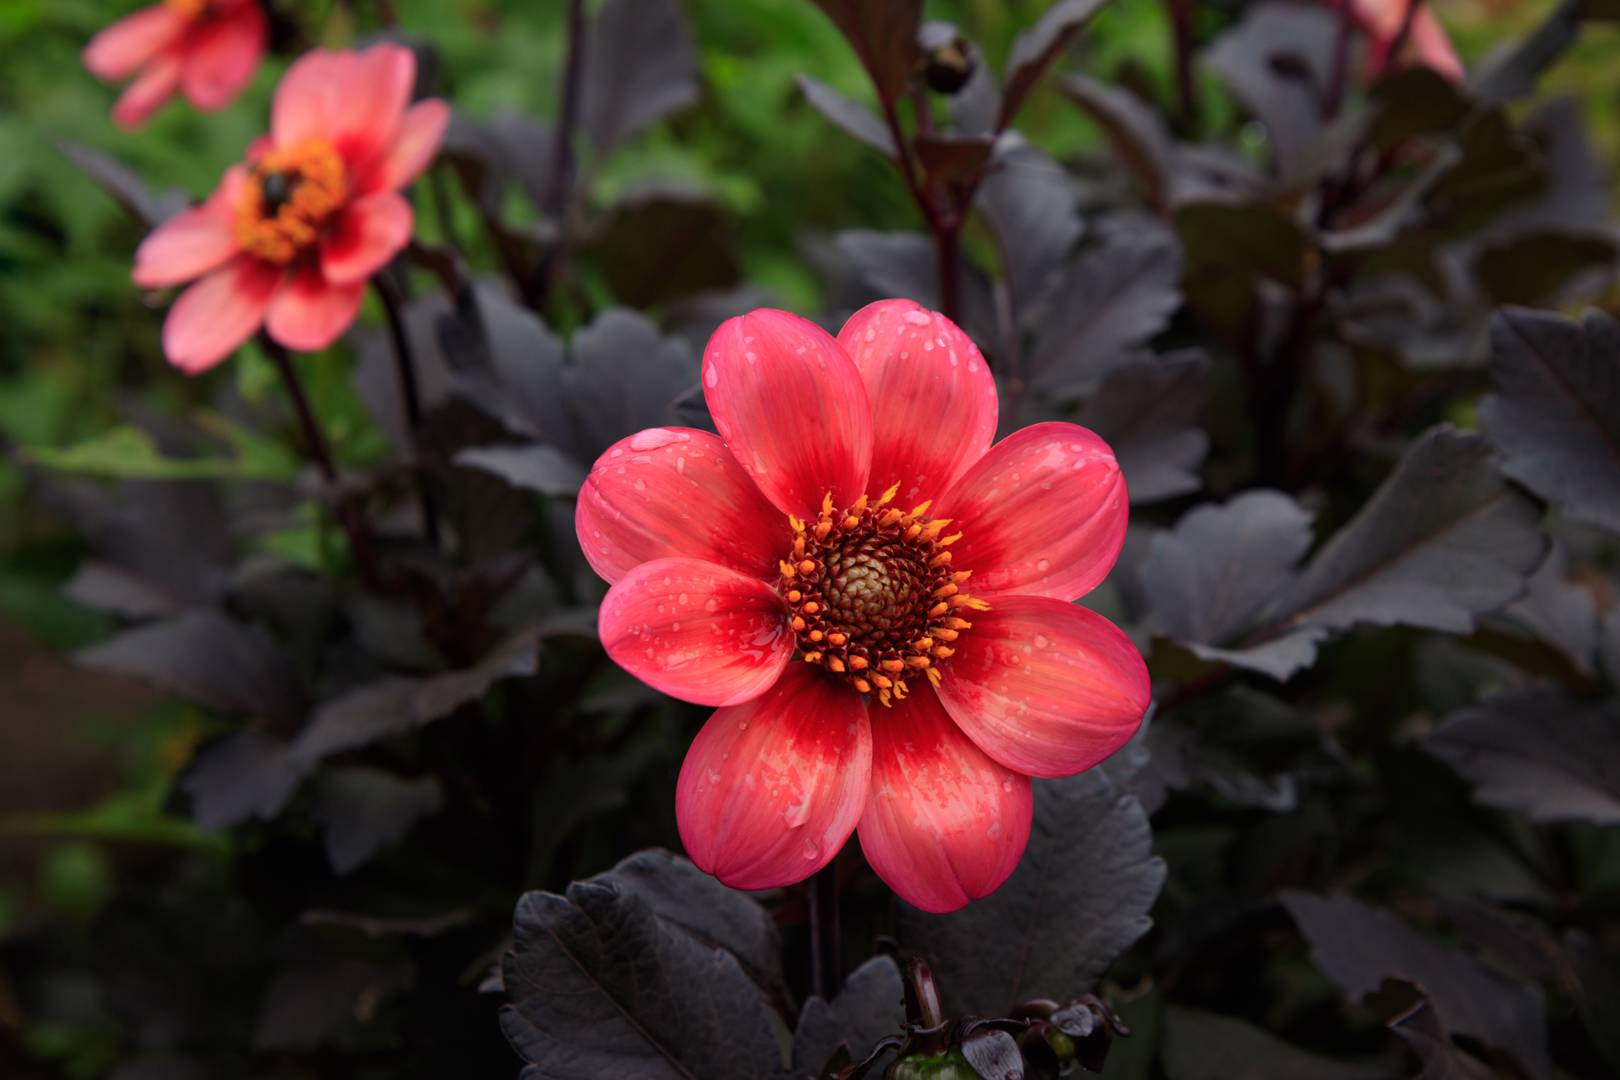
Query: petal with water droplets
[
  {"x": 1042, "y": 514},
  {"x": 697, "y": 630},
  {"x": 1044, "y": 686},
  {"x": 944, "y": 823},
  {"x": 771, "y": 789}
]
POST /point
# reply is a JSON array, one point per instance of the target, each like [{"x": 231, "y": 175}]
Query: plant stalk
[
  {"x": 826, "y": 939},
  {"x": 410, "y": 399}
]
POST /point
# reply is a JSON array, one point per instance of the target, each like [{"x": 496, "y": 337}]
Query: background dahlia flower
[
  {"x": 289, "y": 239},
  {"x": 1428, "y": 43},
  {"x": 878, "y": 599},
  {"x": 206, "y": 49}
]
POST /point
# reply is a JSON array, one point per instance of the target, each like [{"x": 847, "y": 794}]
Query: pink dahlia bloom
[
  {"x": 1381, "y": 21},
  {"x": 289, "y": 239},
  {"x": 878, "y": 600},
  {"x": 206, "y": 49}
]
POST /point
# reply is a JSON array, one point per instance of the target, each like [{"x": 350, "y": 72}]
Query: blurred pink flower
[
  {"x": 859, "y": 683},
  {"x": 289, "y": 239},
  {"x": 1381, "y": 21},
  {"x": 206, "y": 49}
]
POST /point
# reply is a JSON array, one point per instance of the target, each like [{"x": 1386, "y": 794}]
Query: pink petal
[
  {"x": 218, "y": 313},
  {"x": 413, "y": 150},
  {"x": 187, "y": 246},
  {"x": 944, "y": 824},
  {"x": 309, "y": 313},
  {"x": 1434, "y": 48},
  {"x": 1045, "y": 687},
  {"x": 788, "y": 401},
  {"x": 770, "y": 790},
  {"x": 676, "y": 491},
  {"x": 221, "y": 56},
  {"x": 353, "y": 100},
  {"x": 132, "y": 41},
  {"x": 697, "y": 630},
  {"x": 1043, "y": 513},
  {"x": 368, "y": 233},
  {"x": 933, "y": 399},
  {"x": 149, "y": 91}
]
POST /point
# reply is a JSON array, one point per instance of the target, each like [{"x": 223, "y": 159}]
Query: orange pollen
[
  {"x": 289, "y": 198},
  {"x": 187, "y": 9},
  {"x": 870, "y": 589}
]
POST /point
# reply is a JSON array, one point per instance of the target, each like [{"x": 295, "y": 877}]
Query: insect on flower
[
  {"x": 208, "y": 50},
  {"x": 289, "y": 239},
  {"x": 877, "y": 599}
]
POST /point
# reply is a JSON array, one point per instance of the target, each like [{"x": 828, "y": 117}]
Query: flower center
[
  {"x": 289, "y": 196},
  {"x": 188, "y": 9},
  {"x": 874, "y": 598}
]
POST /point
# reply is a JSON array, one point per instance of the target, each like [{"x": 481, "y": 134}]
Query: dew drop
[{"x": 918, "y": 318}]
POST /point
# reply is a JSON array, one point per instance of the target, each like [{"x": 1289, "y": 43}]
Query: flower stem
[
  {"x": 560, "y": 184},
  {"x": 1339, "y": 75},
  {"x": 315, "y": 443},
  {"x": 410, "y": 397},
  {"x": 826, "y": 940},
  {"x": 1181, "y": 24}
]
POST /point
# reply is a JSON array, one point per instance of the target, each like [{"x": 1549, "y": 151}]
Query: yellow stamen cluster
[
  {"x": 288, "y": 200},
  {"x": 874, "y": 597}
]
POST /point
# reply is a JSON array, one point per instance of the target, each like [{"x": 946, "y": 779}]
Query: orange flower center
[
  {"x": 188, "y": 9},
  {"x": 874, "y": 598},
  {"x": 288, "y": 200}
]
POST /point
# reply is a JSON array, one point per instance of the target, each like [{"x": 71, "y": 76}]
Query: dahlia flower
[
  {"x": 289, "y": 239},
  {"x": 877, "y": 599},
  {"x": 206, "y": 49}
]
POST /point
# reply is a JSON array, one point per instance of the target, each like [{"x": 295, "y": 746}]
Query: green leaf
[{"x": 126, "y": 452}]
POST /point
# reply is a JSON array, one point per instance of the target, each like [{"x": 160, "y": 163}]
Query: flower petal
[
  {"x": 790, "y": 404},
  {"x": 1434, "y": 47},
  {"x": 221, "y": 56},
  {"x": 218, "y": 313},
  {"x": 934, "y": 403},
  {"x": 1043, "y": 513},
  {"x": 310, "y": 313},
  {"x": 676, "y": 491},
  {"x": 129, "y": 43},
  {"x": 944, "y": 824},
  {"x": 413, "y": 150},
  {"x": 186, "y": 246},
  {"x": 353, "y": 100},
  {"x": 770, "y": 790},
  {"x": 1045, "y": 687},
  {"x": 697, "y": 630},
  {"x": 154, "y": 86},
  {"x": 368, "y": 233}
]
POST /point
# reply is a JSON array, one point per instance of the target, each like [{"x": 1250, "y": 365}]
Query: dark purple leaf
[
  {"x": 1358, "y": 947},
  {"x": 1561, "y": 612},
  {"x": 1116, "y": 297},
  {"x": 209, "y": 658},
  {"x": 363, "y": 810},
  {"x": 1539, "y": 753},
  {"x": 1136, "y": 134},
  {"x": 317, "y": 995},
  {"x": 1441, "y": 1058},
  {"x": 534, "y": 467},
  {"x": 104, "y": 587},
  {"x": 1150, "y": 411},
  {"x": 1513, "y": 71},
  {"x": 600, "y": 986},
  {"x": 884, "y": 36},
  {"x": 661, "y": 243},
  {"x": 1278, "y": 62},
  {"x": 243, "y": 776},
  {"x": 1442, "y": 541},
  {"x": 640, "y": 65},
  {"x": 1202, "y": 1045},
  {"x": 903, "y": 264},
  {"x": 1032, "y": 208},
  {"x": 1078, "y": 899},
  {"x": 1555, "y": 415},
  {"x": 1034, "y": 50},
  {"x": 1533, "y": 268},
  {"x": 851, "y": 117},
  {"x": 868, "y": 1008},
  {"x": 624, "y": 376}
]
